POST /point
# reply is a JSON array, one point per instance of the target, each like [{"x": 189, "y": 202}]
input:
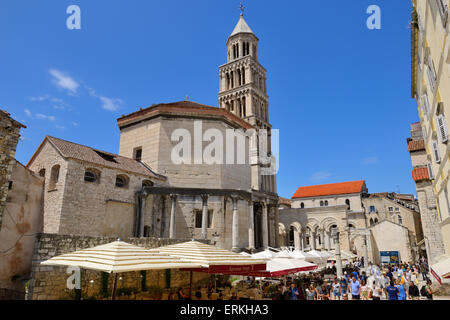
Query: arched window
[
  {"x": 347, "y": 202},
  {"x": 42, "y": 173},
  {"x": 54, "y": 177},
  {"x": 92, "y": 175},
  {"x": 244, "y": 111},
  {"x": 239, "y": 77},
  {"x": 243, "y": 75},
  {"x": 302, "y": 205},
  {"x": 321, "y": 203},
  {"x": 326, "y": 203},
  {"x": 400, "y": 220},
  {"x": 376, "y": 220},
  {"x": 121, "y": 181},
  {"x": 147, "y": 184},
  {"x": 371, "y": 222}
]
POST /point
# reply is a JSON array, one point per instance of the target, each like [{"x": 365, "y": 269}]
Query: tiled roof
[
  {"x": 86, "y": 154},
  {"x": 416, "y": 145},
  {"x": 241, "y": 27},
  {"x": 284, "y": 201},
  {"x": 329, "y": 189},
  {"x": 419, "y": 174},
  {"x": 186, "y": 108}
]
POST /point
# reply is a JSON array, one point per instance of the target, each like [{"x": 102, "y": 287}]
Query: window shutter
[
  {"x": 430, "y": 170},
  {"x": 431, "y": 73},
  {"x": 437, "y": 154},
  {"x": 442, "y": 128},
  {"x": 425, "y": 104},
  {"x": 424, "y": 133}
]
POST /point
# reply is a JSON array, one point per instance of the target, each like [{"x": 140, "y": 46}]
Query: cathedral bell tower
[
  {"x": 243, "y": 79},
  {"x": 243, "y": 92}
]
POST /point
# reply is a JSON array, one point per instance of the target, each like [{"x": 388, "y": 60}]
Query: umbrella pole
[
  {"x": 190, "y": 285},
  {"x": 113, "y": 297}
]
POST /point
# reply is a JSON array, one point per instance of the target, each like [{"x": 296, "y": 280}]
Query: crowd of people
[{"x": 388, "y": 282}]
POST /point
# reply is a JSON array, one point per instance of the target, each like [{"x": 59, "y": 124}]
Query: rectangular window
[
  {"x": 425, "y": 104},
  {"x": 198, "y": 218},
  {"x": 443, "y": 133},
  {"x": 391, "y": 209},
  {"x": 138, "y": 154},
  {"x": 430, "y": 170},
  {"x": 436, "y": 152},
  {"x": 10, "y": 185},
  {"x": 443, "y": 10},
  {"x": 372, "y": 209},
  {"x": 431, "y": 73},
  {"x": 397, "y": 209}
]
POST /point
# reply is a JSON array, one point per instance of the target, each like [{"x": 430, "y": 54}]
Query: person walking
[
  {"x": 311, "y": 293},
  {"x": 413, "y": 291},
  {"x": 429, "y": 292},
  {"x": 364, "y": 290},
  {"x": 355, "y": 288},
  {"x": 401, "y": 290},
  {"x": 424, "y": 270},
  {"x": 344, "y": 288},
  {"x": 376, "y": 291},
  {"x": 293, "y": 291},
  {"x": 392, "y": 292},
  {"x": 336, "y": 290}
]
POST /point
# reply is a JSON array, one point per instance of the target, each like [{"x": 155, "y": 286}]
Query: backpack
[{"x": 423, "y": 291}]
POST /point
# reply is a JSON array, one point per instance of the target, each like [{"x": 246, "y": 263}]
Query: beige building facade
[
  {"x": 431, "y": 88},
  {"x": 358, "y": 217}
]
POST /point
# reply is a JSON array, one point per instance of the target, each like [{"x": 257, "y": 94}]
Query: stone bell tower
[{"x": 243, "y": 92}]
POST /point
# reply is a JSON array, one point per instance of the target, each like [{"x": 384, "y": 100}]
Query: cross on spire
[{"x": 241, "y": 7}]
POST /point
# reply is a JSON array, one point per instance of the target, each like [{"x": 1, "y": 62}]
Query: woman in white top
[{"x": 376, "y": 292}]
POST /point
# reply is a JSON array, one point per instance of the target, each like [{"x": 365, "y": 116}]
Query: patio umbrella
[
  {"x": 266, "y": 254},
  {"x": 298, "y": 254},
  {"x": 212, "y": 259},
  {"x": 282, "y": 266},
  {"x": 118, "y": 257}
]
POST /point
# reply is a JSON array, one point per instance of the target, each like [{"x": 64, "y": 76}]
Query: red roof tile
[
  {"x": 329, "y": 189},
  {"x": 419, "y": 174},
  {"x": 182, "y": 108},
  {"x": 416, "y": 145}
]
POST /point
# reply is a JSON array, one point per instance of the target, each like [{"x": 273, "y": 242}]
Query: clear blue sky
[{"x": 338, "y": 92}]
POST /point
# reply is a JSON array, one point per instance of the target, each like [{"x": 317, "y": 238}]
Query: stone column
[
  {"x": 328, "y": 241},
  {"x": 338, "y": 255},
  {"x": 277, "y": 227},
  {"x": 235, "y": 225},
  {"x": 322, "y": 239},
  {"x": 251, "y": 227},
  {"x": 204, "y": 216},
  {"x": 172, "y": 228},
  {"x": 297, "y": 243},
  {"x": 366, "y": 252},
  {"x": 303, "y": 239},
  {"x": 313, "y": 240},
  {"x": 265, "y": 226}
]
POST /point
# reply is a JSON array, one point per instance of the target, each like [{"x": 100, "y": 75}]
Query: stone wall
[
  {"x": 22, "y": 220},
  {"x": 9, "y": 137},
  {"x": 49, "y": 282}
]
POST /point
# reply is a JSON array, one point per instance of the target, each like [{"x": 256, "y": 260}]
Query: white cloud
[
  {"x": 370, "y": 160},
  {"x": 28, "y": 113},
  {"x": 109, "y": 103},
  {"x": 64, "y": 81},
  {"x": 75, "y": 124},
  {"x": 45, "y": 117},
  {"x": 59, "y": 127},
  {"x": 40, "y": 98},
  {"x": 320, "y": 175}
]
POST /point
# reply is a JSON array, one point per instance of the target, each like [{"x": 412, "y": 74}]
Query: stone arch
[{"x": 327, "y": 223}]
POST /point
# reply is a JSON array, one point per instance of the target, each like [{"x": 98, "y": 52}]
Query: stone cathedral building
[{"x": 145, "y": 192}]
